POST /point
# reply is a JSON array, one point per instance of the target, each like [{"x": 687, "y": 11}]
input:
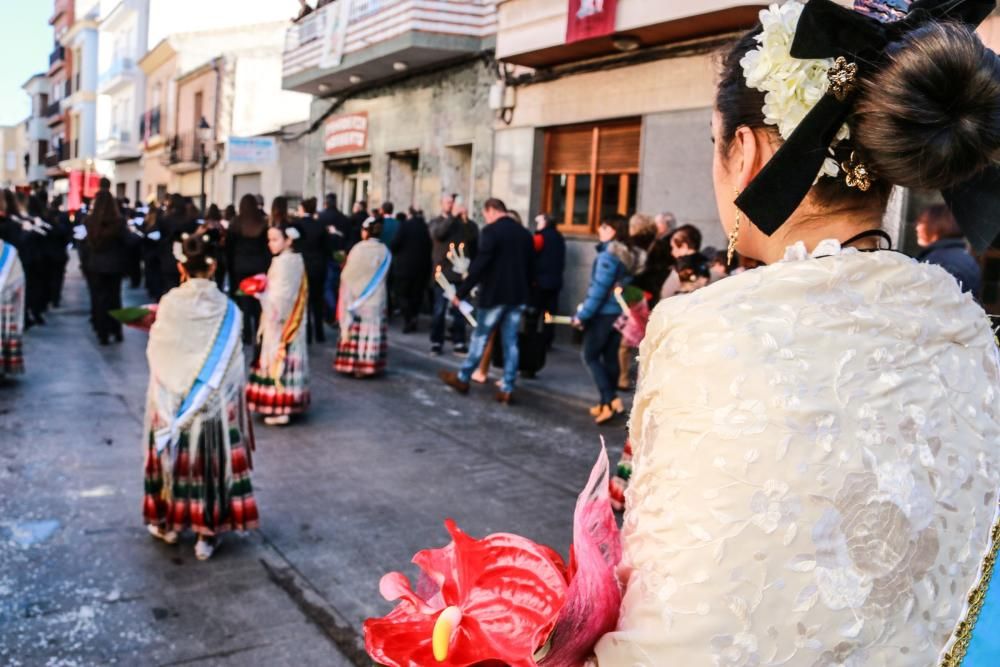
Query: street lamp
[{"x": 204, "y": 135}]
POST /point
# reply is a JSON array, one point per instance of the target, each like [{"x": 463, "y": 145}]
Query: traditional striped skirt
[
  {"x": 363, "y": 349},
  {"x": 11, "y": 345},
  {"x": 289, "y": 397},
  {"x": 199, "y": 497}
]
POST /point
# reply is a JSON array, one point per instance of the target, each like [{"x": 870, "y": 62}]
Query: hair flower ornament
[
  {"x": 810, "y": 93},
  {"x": 292, "y": 233},
  {"x": 791, "y": 86}
]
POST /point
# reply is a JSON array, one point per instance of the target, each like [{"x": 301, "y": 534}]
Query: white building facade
[{"x": 37, "y": 133}]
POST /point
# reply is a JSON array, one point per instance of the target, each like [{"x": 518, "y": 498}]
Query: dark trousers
[
  {"x": 36, "y": 288},
  {"x": 410, "y": 291},
  {"x": 251, "y": 317},
  {"x": 317, "y": 306},
  {"x": 547, "y": 301},
  {"x": 439, "y": 319},
  {"x": 56, "y": 278},
  {"x": 106, "y": 296},
  {"x": 600, "y": 354},
  {"x": 331, "y": 290}
]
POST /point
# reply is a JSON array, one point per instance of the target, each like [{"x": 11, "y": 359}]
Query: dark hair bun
[
  {"x": 199, "y": 251},
  {"x": 931, "y": 118}
]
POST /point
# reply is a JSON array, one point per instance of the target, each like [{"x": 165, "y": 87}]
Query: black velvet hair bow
[{"x": 829, "y": 30}]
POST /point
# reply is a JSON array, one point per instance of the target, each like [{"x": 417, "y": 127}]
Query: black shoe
[
  {"x": 461, "y": 349},
  {"x": 437, "y": 348},
  {"x": 119, "y": 338},
  {"x": 103, "y": 340},
  {"x": 409, "y": 327}
]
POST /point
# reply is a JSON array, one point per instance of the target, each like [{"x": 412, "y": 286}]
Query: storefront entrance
[{"x": 350, "y": 180}]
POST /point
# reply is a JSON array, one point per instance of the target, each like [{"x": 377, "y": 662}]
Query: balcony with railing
[
  {"x": 57, "y": 153},
  {"x": 149, "y": 125},
  {"x": 57, "y": 57},
  {"x": 121, "y": 72},
  {"x": 533, "y": 32},
  {"x": 380, "y": 38},
  {"x": 184, "y": 152},
  {"x": 119, "y": 145}
]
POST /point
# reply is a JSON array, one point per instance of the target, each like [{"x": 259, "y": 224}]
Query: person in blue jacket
[{"x": 614, "y": 266}]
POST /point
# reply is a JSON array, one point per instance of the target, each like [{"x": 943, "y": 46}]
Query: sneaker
[
  {"x": 606, "y": 414},
  {"x": 461, "y": 349},
  {"x": 203, "y": 549},
  {"x": 170, "y": 537},
  {"x": 437, "y": 348},
  {"x": 280, "y": 420},
  {"x": 451, "y": 379}
]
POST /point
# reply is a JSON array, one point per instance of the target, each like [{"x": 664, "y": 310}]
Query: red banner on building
[
  {"x": 590, "y": 18},
  {"x": 346, "y": 134}
]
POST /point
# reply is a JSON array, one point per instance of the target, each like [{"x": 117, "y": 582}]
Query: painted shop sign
[
  {"x": 252, "y": 150},
  {"x": 590, "y": 18},
  {"x": 346, "y": 134}
]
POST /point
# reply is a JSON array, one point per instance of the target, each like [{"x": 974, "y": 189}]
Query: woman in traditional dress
[
  {"x": 363, "y": 302},
  {"x": 279, "y": 380},
  {"x": 11, "y": 311},
  {"x": 816, "y": 478},
  {"x": 198, "y": 435}
]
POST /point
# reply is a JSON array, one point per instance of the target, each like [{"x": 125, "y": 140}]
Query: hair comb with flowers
[{"x": 811, "y": 116}]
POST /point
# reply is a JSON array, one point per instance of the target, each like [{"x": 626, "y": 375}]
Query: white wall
[
  {"x": 167, "y": 17},
  {"x": 259, "y": 103}
]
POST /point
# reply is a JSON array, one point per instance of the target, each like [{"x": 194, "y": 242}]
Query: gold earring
[{"x": 734, "y": 236}]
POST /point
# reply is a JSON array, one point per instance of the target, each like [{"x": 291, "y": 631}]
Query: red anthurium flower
[
  {"x": 494, "y": 599},
  {"x": 504, "y": 600},
  {"x": 254, "y": 284}
]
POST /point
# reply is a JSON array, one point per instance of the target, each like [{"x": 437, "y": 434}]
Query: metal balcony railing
[
  {"x": 52, "y": 109},
  {"x": 119, "y": 67},
  {"x": 185, "y": 148},
  {"x": 58, "y": 153},
  {"x": 149, "y": 124},
  {"x": 58, "y": 54}
]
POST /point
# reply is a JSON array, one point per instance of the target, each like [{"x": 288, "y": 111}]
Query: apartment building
[
  {"x": 36, "y": 128},
  {"x": 13, "y": 147},
  {"x": 60, "y": 76},
  {"x": 80, "y": 41},
  {"x": 401, "y": 93}
]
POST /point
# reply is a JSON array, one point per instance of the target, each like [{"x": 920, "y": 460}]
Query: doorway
[
  {"x": 350, "y": 180},
  {"x": 245, "y": 184},
  {"x": 402, "y": 181}
]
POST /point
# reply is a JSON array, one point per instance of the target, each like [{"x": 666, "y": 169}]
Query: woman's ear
[{"x": 753, "y": 149}]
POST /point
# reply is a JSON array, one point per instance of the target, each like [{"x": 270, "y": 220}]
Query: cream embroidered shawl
[
  {"x": 362, "y": 264},
  {"x": 284, "y": 280},
  {"x": 816, "y": 468}
]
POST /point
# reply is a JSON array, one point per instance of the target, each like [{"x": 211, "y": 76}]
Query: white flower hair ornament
[
  {"x": 292, "y": 233},
  {"x": 791, "y": 86},
  {"x": 178, "y": 249}
]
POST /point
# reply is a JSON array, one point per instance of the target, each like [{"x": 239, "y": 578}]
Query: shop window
[{"x": 592, "y": 171}]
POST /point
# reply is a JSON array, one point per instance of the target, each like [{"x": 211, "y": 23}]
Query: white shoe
[
  {"x": 280, "y": 420},
  {"x": 203, "y": 549},
  {"x": 170, "y": 537}
]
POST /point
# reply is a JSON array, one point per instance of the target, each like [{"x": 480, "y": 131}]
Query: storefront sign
[
  {"x": 337, "y": 16},
  {"x": 252, "y": 150},
  {"x": 346, "y": 134},
  {"x": 590, "y": 18}
]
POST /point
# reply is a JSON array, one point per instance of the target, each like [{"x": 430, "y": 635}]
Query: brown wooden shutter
[
  {"x": 570, "y": 149},
  {"x": 618, "y": 148}
]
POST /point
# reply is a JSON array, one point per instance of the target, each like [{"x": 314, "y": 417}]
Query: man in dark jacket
[
  {"x": 448, "y": 231},
  {"x": 358, "y": 216},
  {"x": 316, "y": 254},
  {"x": 337, "y": 226},
  {"x": 550, "y": 263},
  {"x": 411, "y": 252},
  {"x": 171, "y": 226},
  {"x": 504, "y": 272},
  {"x": 941, "y": 238}
]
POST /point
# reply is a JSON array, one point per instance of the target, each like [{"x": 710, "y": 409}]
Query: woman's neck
[{"x": 813, "y": 229}]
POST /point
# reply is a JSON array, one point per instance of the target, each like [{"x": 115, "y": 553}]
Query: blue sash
[
  {"x": 7, "y": 257},
  {"x": 209, "y": 377},
  {"x": 984, "y": 644},
  {"x": 373, "y": 284}
]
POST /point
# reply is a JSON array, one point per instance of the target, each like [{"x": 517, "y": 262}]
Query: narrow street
[{"x": 346, "y": 495}]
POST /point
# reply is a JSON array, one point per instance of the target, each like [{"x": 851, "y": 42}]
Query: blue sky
[{"x": 24, "y": 50}]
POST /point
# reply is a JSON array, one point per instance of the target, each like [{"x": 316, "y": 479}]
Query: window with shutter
[{"x": 591, "y": 171}]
